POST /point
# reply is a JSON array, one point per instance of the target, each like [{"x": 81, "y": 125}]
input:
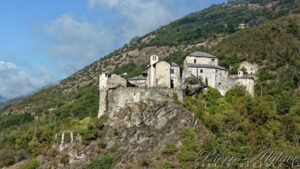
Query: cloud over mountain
[
  {"x": 15, "y": 82},
  {"x": 78, "y": 42}
]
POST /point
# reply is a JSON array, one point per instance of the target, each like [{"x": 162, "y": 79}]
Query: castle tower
[
  {"x": 152, "y": 71},
  {"x": 103, "y": 80},
  {"x": 153, "y": 59}
]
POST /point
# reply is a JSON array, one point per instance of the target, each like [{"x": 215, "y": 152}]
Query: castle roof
[
  {"x": 205, "y": 66},
  {"x": 174, "y": 64},
  {"x": 202, "y": 54},
  {"x": 161, "y": 62},
  {"x": 139, "y": 77}
]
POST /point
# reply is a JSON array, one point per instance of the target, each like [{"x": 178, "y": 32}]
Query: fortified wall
[
  {"x": 115, "y": 94},
  {"x": 121, "y": 97}
]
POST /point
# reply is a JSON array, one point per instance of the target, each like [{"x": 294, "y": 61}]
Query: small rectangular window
[
  {"x": 172, "y": 71},
  {"x": 201, "y": 71},
  {"x": 195, "y": 61}
]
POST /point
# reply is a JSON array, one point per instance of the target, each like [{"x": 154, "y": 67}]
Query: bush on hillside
[
  {"x": 33, "y": 164},
  {"x": 105, "y": 162}
]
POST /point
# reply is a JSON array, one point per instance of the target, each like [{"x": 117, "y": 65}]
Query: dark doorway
[
  {"x": 172, "y": 84},
  {"x": 206, "y": 81}
]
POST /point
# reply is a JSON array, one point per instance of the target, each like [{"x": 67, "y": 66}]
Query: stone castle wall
[{"x": 114, "y": 99}]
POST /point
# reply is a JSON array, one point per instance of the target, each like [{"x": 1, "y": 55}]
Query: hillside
[
  {"x": 274, "y": 46},
  {"x": 238, "y": 122},
  {"x": 172, "y": 42}
]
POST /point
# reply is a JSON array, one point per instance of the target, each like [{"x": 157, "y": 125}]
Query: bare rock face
[
  {"x": 138, "y": 132},
  {"x": 142, "y": 129}
]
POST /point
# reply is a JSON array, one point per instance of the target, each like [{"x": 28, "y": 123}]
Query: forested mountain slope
[
  {"x": 275, "y": 46},
  {"x": 173, "y": 41},
  {"x": 239, "y": 122}
]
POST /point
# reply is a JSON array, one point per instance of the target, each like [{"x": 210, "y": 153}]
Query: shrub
[
  {"x": 186, "y": 156},
  {"x": 175, "y": 97},
  {"x": 87, "y": 135},
  {"x": 65, "y": 159},
  {"x": 170, "y": 148},
  {"x": 114, "y": 148},
  {"x": 211, "y": 96},
  {"x": 6, "y": 158},
  {"x": 191, "y": 147},
  {"x": 33, "y": 164},
  {"x": 102, "y": 145},
  {"x": 20, "y": 155},
  {"x": 105, "y": 162},
  {"x": 234, "y": 93},
  {"x": 167, "y": 165}
]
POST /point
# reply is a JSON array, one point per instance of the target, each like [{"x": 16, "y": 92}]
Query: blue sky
[{"x": 42, "y": 42}]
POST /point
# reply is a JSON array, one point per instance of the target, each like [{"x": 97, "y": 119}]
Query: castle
[{"x": 163, "y": 79}]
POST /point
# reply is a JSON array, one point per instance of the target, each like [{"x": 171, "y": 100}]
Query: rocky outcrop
[
  {"x": 145, "y": 128},
  {"x": 138, "y": 132}
]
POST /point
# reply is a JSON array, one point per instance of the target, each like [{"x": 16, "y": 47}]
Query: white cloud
[
  {"x": 46, "y": 76},
  {"x": 7, "y": 65},
  {"x": 141, "y": 16},
  {"x": 77, "y": 42},
  {"x": 15, "y": 82}
]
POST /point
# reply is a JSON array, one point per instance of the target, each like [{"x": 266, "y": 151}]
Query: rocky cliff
[{"x": 136, "y": 136}]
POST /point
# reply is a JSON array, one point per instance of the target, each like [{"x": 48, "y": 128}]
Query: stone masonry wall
[{"x": 121, "y": 97}]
